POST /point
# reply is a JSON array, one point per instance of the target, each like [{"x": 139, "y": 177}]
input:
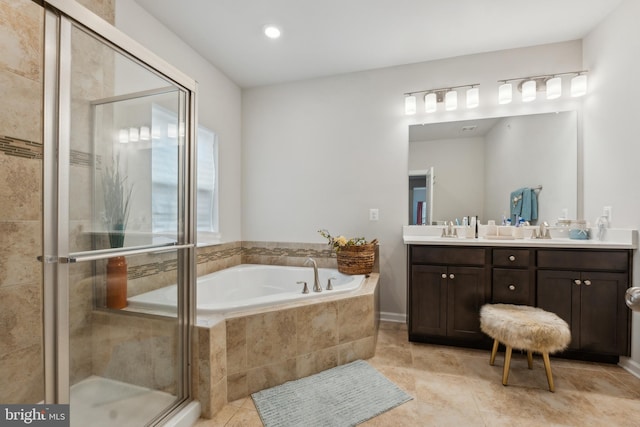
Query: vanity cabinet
[
  {"x": 586, "y": 289},
  {"x": 447, "y": 289},
  {"x": 447, "y": 285}
]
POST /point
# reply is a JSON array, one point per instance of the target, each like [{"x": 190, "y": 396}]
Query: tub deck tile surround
[
  {"x": 291, "y": 341},
  {"x": 311, "y": 330}
]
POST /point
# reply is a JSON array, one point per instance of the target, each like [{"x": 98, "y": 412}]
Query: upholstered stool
[{"x": 524, "y": 328}]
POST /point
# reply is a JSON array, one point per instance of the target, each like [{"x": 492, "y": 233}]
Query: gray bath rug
[{"x": 343, "y": 396}]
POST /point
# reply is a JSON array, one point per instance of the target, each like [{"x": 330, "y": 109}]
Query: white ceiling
[{"x": 326, "y": 37}]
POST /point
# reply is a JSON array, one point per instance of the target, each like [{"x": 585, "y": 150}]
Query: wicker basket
[{"x": 357, "y": 259}]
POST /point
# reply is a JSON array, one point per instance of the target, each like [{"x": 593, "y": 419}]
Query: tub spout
[{"x": 316, "y": 279}]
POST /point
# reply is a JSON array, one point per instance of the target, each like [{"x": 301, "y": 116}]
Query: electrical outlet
[
  {"x": 373, "y": 214},
  {"x": 606, "y": 211}
]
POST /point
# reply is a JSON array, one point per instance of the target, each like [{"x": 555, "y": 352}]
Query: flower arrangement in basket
[{"x": 355, "y": 255}]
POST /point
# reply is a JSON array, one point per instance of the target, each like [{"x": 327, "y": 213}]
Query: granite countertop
[{"x": 613, "y": 239}]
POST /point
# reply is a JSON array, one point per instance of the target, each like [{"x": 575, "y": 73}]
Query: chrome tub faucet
[{"x": 316, "y": 279}]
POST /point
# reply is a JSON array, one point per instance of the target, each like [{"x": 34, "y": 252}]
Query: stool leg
[
  {"x": 494, "y": 350},
  {"x": 530, "y": 359},
  {"x": 507, "y": 362},
  {"x": 547, "y": 367}
]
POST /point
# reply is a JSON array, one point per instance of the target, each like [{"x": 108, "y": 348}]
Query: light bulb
[
  {"x": 123, "y": 136},
  {"x": 430, "y": 102},
  {"x": 134, "y": 134},
  {"x": 579, "y": 85},
  {"x": 554, "y": 88},
  {"x": 145, "y": 133},
  {"x": 410, "y": 105},
  {"x": 529, "y": 91},
  {"x": 272, "y": 31},
  {"x": 451, "y": 100},
  {"x": 473, "y": 97},
  {"x": 505, "y": 93}
]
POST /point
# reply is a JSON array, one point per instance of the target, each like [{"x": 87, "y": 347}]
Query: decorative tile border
[
  {"x": 12, "y": 146},
  {"x": 17, "y": 147},
  {"x": 247, "y": 252}
]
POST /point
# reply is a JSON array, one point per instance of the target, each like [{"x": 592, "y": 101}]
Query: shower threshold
[{"x": 98, "y": 401}]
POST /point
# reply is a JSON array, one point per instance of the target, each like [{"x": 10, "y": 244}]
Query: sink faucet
[
  {"x": 316, "y": 279},
  {"x": 602, "y": 223}
]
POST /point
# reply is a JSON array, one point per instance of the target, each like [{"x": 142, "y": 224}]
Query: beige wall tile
[
  {"x": 21, "y": 189},
  {"x": 237, "y": 386},
  {"x": 22, "y": 242},
  {"x": 360, "y": 349},
  {"x": 317, "y": 327},
  {"x": 24, "y": 119},
  {"x": 21, "y": 38},
  {"x": 356, "y": 318},
  {"x": 236, "y": 345},
  {"x": 20, "y": 317},
  {"x": 218, "y": 352},
  {"x": 312, "y": 363},
  {"x": 271, "y": 338},
  {"x": 271, "y": 375},
  {"x": 22, "y": 375}
]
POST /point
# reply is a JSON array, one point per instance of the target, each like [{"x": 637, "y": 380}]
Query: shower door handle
[
  {"x": 47, "y": 259},
  {"x": 106, "y": 254}
]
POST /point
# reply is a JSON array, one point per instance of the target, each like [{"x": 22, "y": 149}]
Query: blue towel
[{"x": 524, "y": 203}]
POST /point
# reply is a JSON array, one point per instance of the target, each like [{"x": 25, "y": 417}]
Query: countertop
[{"x": 613, "y": 239}]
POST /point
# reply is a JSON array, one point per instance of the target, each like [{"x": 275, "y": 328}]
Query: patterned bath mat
[{"x": 339, "y": 397}]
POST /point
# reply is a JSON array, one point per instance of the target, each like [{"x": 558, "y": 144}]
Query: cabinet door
[
  {"x": 555, "y": 294},
  {"x": 465, "y": 297},
  {"x": 603, "y": 313},
  {"x": 428, "y": 298}
]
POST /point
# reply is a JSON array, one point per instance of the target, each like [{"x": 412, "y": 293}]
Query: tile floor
[{"x": 457, "y": 387}]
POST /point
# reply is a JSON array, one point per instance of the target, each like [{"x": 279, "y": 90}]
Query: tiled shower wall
[{"x": 21, "y": 91}]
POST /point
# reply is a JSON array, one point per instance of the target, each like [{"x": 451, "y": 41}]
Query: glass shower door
[{"x": 122, "y": 227}]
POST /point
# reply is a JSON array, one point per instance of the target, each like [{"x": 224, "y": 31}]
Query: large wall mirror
[{"x": 478, "y": 164}]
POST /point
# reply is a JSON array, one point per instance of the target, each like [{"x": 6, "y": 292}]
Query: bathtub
[{"x": 249, "y": 286}]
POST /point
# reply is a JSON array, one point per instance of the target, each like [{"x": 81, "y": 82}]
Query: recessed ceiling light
[{"x": 272, "y": 31}]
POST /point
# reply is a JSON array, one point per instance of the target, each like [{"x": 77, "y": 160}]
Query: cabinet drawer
[
  {"x": 585, "y": 259},
  {"x": 510, "y": 286},
  {"x": 511, "y": 257},
  {"x": 447, "y": 256}
]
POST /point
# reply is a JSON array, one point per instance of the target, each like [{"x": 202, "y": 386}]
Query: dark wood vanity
[{"x": 447, "y": 285}]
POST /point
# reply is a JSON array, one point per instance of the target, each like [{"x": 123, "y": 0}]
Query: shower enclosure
[{"x": 118, "y": 220}]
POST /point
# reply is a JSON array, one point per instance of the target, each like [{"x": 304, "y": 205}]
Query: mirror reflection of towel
[{"x": 524, "y": 203}]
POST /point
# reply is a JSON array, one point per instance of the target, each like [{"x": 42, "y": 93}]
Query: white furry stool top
[{"x": 526, "y": 328}]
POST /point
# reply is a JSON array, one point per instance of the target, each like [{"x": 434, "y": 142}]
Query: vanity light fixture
[
  {"x": 145, "y": 133},
  {"x": 554, "y": 87},
  {"x": 123, "y": 136},
  {"x": 451, "y": 100},
  {"x": 431, "y": 102},
  {"x": 473, "y": 97},
  {"x": 551, "y": 83},
  {"x": 529, "y": 91},
  {"x": 134, "y": 134},
  {"x": 505, "y": 93},
  {"x": 410, "y": 105},
  {"x": 448, "y": 95},
  {"x": 579, "y": 85}
]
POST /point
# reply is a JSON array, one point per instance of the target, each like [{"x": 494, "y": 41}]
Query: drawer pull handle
[
  {"x": 512, "y": 258},
  {"x": 444, "y": 276},
  {"x": 577, "y": 282},
  {"x": 451, "y": 276},
  {"x": 512, "y": 287},
  {"x": 587, "y": 282}
]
